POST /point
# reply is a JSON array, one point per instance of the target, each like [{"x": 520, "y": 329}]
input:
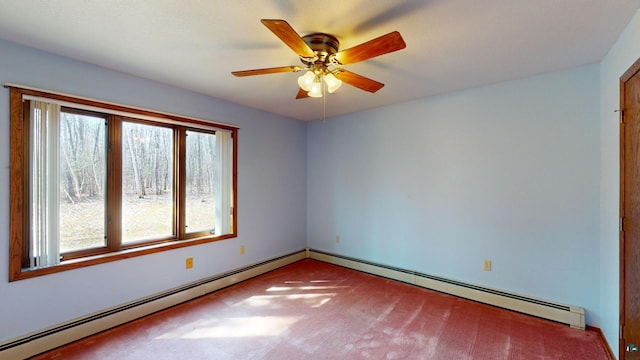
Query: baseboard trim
[
  {"x": 604, "y": 340},
  {"x": 566, "y": 314},
  {"x": 58, "y": 335}
]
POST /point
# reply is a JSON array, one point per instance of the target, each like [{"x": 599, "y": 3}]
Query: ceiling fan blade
[
  {"x": 267, "y": 71},
  {"x": 302, "y": 94},
  {"x": 381, "y": 45},
  {"x": 285, "y": 32},
  {"x": 359, "y": 81}
]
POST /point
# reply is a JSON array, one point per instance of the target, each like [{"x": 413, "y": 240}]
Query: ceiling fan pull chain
[{"x": 324, "y": 102}]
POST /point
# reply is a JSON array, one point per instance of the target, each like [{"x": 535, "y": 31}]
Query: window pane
[
  {"x": 200, "y": 202},
  {"x": 82, "y": 172},
  {"x": 147, "y": 182}
]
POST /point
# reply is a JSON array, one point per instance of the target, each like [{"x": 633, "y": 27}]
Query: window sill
[{"x": 66, "y": 265}]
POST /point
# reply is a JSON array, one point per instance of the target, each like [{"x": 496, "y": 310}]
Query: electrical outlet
[
  {"x": 487, "y": 265},
  {"x": 337, "y": 238},
  {"x": 241, "y": 249},
  {"x": 188, "y": 263}
]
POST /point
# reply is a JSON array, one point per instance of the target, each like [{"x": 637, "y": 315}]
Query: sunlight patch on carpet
[
  {"x": 252, "y": 326},
  {"x": 276, "y": 301},
  {"x": 297, "y": 288}
]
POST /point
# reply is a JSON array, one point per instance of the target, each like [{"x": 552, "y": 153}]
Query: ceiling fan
[{"x": 322, "y": 59}]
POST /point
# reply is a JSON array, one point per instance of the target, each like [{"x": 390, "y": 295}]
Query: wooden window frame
[{"x": 19, "y": 184}]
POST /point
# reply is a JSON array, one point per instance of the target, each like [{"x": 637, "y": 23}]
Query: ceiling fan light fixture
[
  {"x": 306, "y": 81},
  {"x": 333, "y": 83},
  {"x": 316, "y": 90}
]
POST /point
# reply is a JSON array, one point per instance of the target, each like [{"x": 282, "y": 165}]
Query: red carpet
[{"x": 314, "y": 310}]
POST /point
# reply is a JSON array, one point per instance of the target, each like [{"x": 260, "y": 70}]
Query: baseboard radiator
[
  {"x": 50, "y": 338},
  {"x": 566, "y": 314}
]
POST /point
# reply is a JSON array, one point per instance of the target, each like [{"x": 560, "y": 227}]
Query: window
[{"x": 94, "y": 182}]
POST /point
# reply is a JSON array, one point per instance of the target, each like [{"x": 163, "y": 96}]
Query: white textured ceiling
[{"x": 195, "y": 44}]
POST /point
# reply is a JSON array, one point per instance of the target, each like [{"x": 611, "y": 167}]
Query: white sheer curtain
[
  {"x": 224, "y": 165},
  {"x": 44, "y": 188}
]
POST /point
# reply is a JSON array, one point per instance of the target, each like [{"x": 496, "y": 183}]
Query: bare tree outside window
[
  {"x": 147, "y": 182},
  {"x": 82, "y": 177},
  {"x": 200, "y": 201}
]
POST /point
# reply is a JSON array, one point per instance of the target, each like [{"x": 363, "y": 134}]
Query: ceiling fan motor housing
[{"x": 323, "y": 45}]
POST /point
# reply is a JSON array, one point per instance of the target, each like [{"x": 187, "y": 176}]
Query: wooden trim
[
  {"x": 603, "y": 338},
  {"x": 116, "y": 107},
  {"x": 622, "y": 240},
  {"x": 630, "y": 72},
  {"x": 116, "y": 152},
  {"x": 19, "y": 185},
  {"x": 26, "y": 168},
  {"x": 114, "y": 256},
  {"x": 114, "y": 181},
  {"x": 180, "y": 177}
]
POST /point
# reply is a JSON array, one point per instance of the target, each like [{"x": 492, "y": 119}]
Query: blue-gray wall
[
  {"x": 508, "y": 172},
  {"x": 271, "y": 192}
]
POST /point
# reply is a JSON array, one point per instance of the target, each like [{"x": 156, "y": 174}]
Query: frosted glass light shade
[
  {"x": 306, "y": 81},
  {"x": 333, "y": 83},
  {"x": 316, "y": 90}
]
